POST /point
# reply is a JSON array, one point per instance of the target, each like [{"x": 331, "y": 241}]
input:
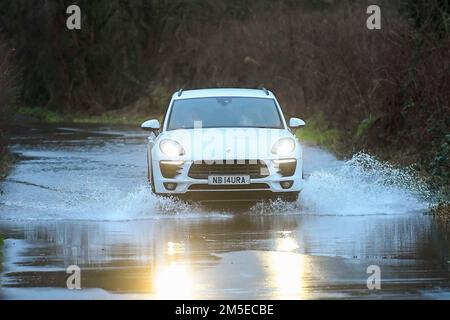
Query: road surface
[{"x": 79, "y": 196}]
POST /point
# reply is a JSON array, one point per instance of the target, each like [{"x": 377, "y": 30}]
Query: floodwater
[{"x": 79, "y": 196}]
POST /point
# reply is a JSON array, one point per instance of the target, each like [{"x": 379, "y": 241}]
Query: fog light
[
  {"x": 170, "y": 186},
  {"x": 286, "y": 184},
  {"x": 286, "y": 167}
]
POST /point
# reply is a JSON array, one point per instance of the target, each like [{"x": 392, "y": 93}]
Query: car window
[{"x": 223, "y": 112}]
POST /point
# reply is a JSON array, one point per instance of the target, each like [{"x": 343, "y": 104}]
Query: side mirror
[
  {"x": 295, "y": 123},
  {"x": 151, "y": 125}
]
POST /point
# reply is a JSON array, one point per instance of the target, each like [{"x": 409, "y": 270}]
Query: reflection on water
[
  {"x": 280, "y": 257},
  {"x": 286, "y": 270},
  {"x": 175, "y": 248},
  {"x": 174, "y": 281},
  {"x": 286, "y": 242}
]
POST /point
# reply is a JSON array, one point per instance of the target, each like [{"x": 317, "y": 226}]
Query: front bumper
[{"x": 266, "y": 187}]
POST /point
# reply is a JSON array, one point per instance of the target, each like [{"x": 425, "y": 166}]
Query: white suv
[{"x": 225, "y": 145}]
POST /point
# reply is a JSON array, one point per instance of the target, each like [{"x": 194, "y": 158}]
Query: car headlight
[
  {"x": 171, "y": 148},
  {"x": 283, "y": 146}
]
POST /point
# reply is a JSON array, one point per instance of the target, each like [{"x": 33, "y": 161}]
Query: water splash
[
  {"x": 360, "y": 186},
  {"x": 102, "y": 202},
  {"x": 364, "y": 186},
  {"x": 141, "y": 204}
]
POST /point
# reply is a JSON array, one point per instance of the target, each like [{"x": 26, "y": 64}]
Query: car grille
[
  {"x": 229, "y": 187},
  {"x": 252, "y": 168}
]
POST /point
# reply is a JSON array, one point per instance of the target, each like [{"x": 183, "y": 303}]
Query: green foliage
[
  {"x": 40, "y": 114},
  {"x": 423, "y": 121},
  {"x": 159, "y": 98},
  {"x": 365, "y": 125},
  {"x": 439, "y": 165},
  {"x": 320, "y": 132},
  {"x": 112, "y": 118}
]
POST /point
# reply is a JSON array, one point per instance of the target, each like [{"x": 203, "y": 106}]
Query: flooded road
[{"x": 79, "y": 196}]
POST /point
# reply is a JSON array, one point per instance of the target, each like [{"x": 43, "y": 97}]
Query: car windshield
[{"x": 225, "y": 112}]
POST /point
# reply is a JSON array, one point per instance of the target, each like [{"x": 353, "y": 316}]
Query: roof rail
[
  {"x": 180, "y": 92},
  {"x": 265, "y": 90}
]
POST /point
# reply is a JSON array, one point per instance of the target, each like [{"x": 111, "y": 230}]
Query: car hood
[{"x": 226, "y": 143}]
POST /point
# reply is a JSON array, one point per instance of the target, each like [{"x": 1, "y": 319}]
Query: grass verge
[
  {"x": 111, "y": 118},
  {"x": 317, "y": 131},
  {"x": 40, "y": 114},
  {"x": 119, "y": 117}
]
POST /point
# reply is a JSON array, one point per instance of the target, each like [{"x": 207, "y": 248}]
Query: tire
[
  {"x": 152, "y": 185},
  {"x": 150, "y": 178},
  {"x": 290, "y": 197}
]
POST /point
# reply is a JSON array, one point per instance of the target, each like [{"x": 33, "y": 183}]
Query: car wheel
[
  {"x": 150, "y": 178},
  {"x": 290, "y": 197},
  {"x": 152, "y": 184}
]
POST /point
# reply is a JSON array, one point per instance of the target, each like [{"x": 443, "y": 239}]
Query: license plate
[{"x": 224, "y": 180}]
